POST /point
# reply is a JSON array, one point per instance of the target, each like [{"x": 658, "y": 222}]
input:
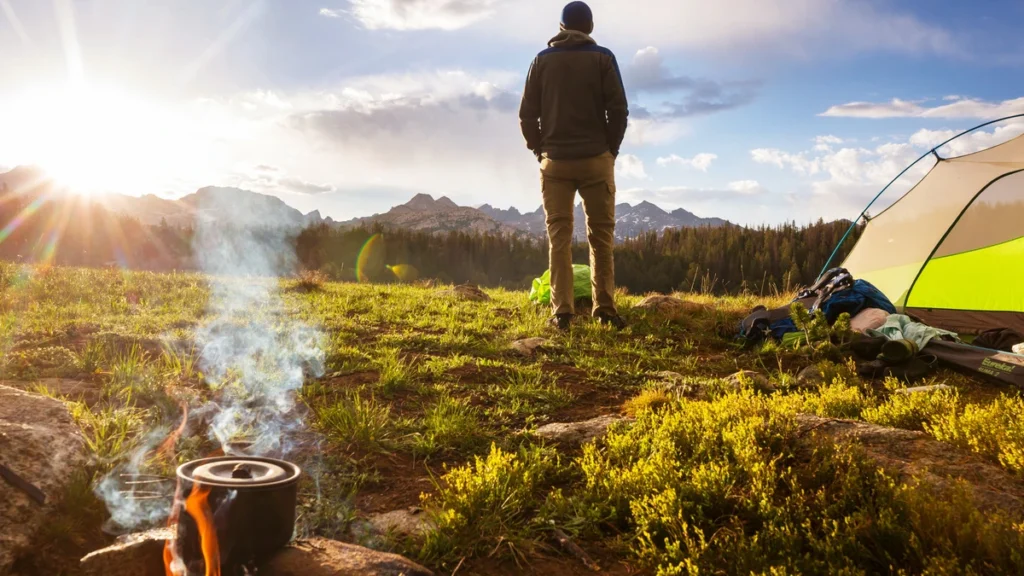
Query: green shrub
[
  {"x": 995, "y": 431},
  {"x": 913, "y": 411},
  {"x": 649, "y": 399},
  {"x": 837, "y": 400},
  {"x": 488, "y": 506},
  {"x": 725, "y": 487}
]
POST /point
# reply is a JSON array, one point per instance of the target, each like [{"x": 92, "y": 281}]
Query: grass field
[{"x": 422, "y": 403}]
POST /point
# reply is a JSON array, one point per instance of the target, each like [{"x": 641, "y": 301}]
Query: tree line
[{"x": 725, "y": 259}]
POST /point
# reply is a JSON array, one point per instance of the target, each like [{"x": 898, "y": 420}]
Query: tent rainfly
[{"x": 950, "y": 252}]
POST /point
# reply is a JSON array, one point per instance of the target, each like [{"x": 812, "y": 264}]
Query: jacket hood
[{"x": 570, "y": 38}]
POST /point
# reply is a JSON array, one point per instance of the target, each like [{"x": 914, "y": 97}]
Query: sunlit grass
[{"x": 708, "y": 479}]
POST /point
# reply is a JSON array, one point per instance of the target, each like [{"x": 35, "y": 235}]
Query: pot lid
[{"x": 240, "y": 472}]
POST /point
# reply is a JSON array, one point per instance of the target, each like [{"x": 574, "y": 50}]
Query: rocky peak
[
  {"x": 421, "y": 202},
  {"x": 445, "y": 203}
]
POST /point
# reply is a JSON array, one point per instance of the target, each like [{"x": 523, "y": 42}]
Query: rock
[
  {"x": 142, "y": 555},
  {"x": 668, "y": 377},
  {"x": 321, "y": 557},
  {"x": 529, "y": 347},
  {"x": 576, "y": 433},
  {"x": 925, "y": 389},
  {"x": 675, "y": 383},
  {"x": 466, "y": 292},
  {"x": 908, "y": 454},
  {"x": 742, "y": 378},
  {"x": 133, "y": 555},
  {"x": 810, "y": 377},
  {"x": 668, "y": 305},
  {"x": 40, "y": 443},
  {"x": 407, "y": 522},
  {"x": 76, "y": 390}
]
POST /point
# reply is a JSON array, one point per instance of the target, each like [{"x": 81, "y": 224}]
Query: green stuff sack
[{"x": 541, "y": 291}]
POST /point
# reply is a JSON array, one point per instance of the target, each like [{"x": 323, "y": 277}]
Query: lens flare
[
  {"x": 21, "y": 218},
  {"x": 371, "y": 252},
  {"x": 405, "y": 272}
]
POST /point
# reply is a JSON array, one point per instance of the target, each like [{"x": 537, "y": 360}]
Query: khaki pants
[{"x": 594, "y": 178}]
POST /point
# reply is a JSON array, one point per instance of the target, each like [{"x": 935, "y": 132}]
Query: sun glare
[{"x": 97, "y": 138}]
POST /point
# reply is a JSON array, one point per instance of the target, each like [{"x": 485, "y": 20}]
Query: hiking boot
[
  {"x": 868, "y": 348},
  {"x": 898, "y": 351},
  {"x": 561, "y": 322},
  {"x": 615, "y": 321},
  {"x": 913, "y": 370}
]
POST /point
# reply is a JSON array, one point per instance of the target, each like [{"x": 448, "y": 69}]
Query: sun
[{"x": 96, "y": 138}]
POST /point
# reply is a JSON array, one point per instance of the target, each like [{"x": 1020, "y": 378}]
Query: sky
[{"x": 757, "y": 111}]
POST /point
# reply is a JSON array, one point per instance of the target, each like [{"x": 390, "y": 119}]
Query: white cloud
[
  {"x": 746, "y": 187},
  {"x": 630, "y": 166},
  {"x": 654, "y": 131},
  {"x": 445, "y": 130},
  {"x": 801, "y": 28},
  {"x": 701, "y": 161},
  {"x": 420, "y": 14},
  {"x": 846, "y": 178},
  {"x": 271, "y": 179},
  {"x": 957, "y": 107},
  {"x": 801, "y": 163},
  {"x": 825, "y": 143},
  {"x": 331, "y": 13}
]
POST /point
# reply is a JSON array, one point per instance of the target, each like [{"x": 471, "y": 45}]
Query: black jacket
[{"x": 574, "y": 105}]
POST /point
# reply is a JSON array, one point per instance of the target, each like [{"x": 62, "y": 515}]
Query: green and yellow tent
[{"x": 950, "y": 252}]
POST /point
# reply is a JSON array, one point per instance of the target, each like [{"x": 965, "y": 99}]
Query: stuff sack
[{"x": 541, "y": 290}]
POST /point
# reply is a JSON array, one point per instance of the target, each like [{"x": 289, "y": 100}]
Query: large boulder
[
  {"x": 320, "y": 557},
  {"x": 42, "y": 446},
  {"x": 139, "y": 554},
  {"x": 142, "y": 555},
  {"x": 577, "y": 433}
]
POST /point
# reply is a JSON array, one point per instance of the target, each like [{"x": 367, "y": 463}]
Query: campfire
[{"x": 232, "y": 513}]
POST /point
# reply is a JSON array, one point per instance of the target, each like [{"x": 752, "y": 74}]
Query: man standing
[{"x": 573, "y": 117}]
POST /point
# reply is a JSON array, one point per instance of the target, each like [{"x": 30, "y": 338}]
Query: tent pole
[{"x": 900, "y": 175}]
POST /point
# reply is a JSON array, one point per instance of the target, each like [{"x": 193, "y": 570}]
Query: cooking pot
[{"x": 252, "y": 503}]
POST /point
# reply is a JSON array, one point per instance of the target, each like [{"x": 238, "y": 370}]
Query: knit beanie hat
[{"x": 577, "y": 16}]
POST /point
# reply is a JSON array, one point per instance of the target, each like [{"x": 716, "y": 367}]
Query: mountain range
[
  {"x": 630, "y": 221},
  {"x": 422, "y": 212}
]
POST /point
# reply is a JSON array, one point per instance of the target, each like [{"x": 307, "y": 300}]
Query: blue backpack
[{"x": 834, "y": 293}]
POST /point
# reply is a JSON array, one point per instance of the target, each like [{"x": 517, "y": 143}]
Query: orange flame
[
  {"x": 198, "y": 506},
  {"x": 169, "y": 558}
]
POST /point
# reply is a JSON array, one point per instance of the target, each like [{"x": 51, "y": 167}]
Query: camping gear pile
[
  {"x": 948, "y": 259},
  {"x": 887, "y": 343}
]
